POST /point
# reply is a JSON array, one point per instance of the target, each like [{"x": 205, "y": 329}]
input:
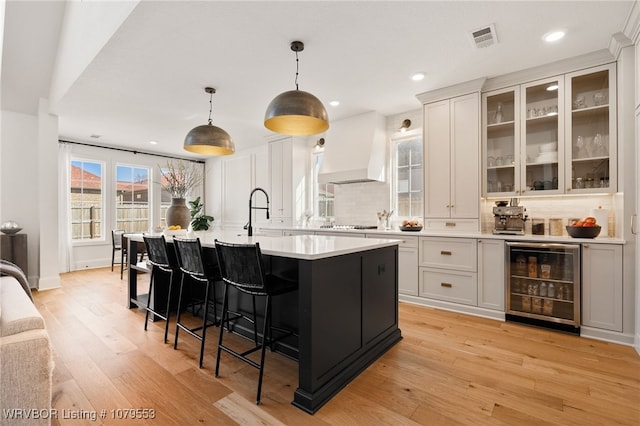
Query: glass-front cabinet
[
  {"x": 501, "y": 141},
  {"x": 542, "y": 135},
  {"x": 551, "y": 136},
  {"x": 591, "y": 130}
]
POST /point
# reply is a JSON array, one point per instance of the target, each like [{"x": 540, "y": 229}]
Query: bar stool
[
  {"x": 189, "y": 254},
  {"x": 241, "y": 267},
  {"x": 159, "y": 259}
]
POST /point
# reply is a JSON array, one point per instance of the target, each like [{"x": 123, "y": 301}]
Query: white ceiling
[{"x": 147, "y": 83}]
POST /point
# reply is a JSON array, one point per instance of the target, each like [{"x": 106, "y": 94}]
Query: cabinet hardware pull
[
  {"x": 585, "y": 245},
  {"x": 445, "y": 252},
  {"x": 448, "y": 285},
  {"x": 634, "y": 219},
  {"x": 450, "y": 224}
]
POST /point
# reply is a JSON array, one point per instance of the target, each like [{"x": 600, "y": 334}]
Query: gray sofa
[{"x": 26, "y": 362}]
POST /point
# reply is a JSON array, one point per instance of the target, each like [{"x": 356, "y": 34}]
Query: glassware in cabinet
[
  {"x": 501, "y": 142},
  {"x": 591, "y": 130},
  {"x": 542, "y": 136}
]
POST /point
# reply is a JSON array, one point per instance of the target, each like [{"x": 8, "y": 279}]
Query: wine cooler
[{"x": 543, "y": 285}]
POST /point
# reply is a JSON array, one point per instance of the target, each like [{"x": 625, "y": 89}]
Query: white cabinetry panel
[
  {"x": 491, "y": 267},
  {"x": 602, "y": 286}
]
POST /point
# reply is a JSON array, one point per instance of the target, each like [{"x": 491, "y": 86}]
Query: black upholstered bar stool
[
  {"x": 158, "y": 257},
  {"x": 241, "y": 267},
  {"x": 189, "y": 254}
]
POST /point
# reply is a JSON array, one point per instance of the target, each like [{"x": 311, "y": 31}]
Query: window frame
[
  {"x": 315, "y": 154},
  {"x": 150, "y": 185},
  {"x": 103, "y": 201},
  {"x": 395, "y": 141}
]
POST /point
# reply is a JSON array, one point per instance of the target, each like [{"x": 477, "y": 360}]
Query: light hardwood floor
[{"x": 449, "y": 369}]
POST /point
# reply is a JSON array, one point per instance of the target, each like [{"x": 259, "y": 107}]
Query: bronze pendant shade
[
  {"x": 296, "y": 112},
  {"x": 208, "y": 139}
]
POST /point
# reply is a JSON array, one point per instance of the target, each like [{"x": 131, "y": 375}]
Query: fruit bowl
[
  {"x": 584, "y": 231},
  {"x": 411, "y": 228}
]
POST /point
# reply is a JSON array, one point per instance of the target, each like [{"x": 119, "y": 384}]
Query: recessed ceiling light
[
  {"x": 95, "y": 136},
  {"x": 417, "y": 76},
  {"x": 153, "y": 142},
  {"x": 552, "y": 87},
  {"x": 553, "y": 36},
  {"x": 334, "y": 103}
]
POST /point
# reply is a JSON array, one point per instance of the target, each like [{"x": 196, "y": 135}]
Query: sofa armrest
[{"x": 26, "y": 371}]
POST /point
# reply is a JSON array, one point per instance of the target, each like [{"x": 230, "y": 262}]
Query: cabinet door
[
  {"x": 465, "y": 156},
  {"x": 408, "y": 270},
  {"x": 591, "y": 130},
  {"x": 542, "y": 137},
  {"x": 436, "y": 159},
  {"x": 280, "y": 179},
  {"x": 236, "y": 187},
  {"x": 491, "y": 270},
  {"x": 602, "y": 286},
  {"x": 501, "y": 142}
]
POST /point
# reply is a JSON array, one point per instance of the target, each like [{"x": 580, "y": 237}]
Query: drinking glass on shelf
[
  {"x": 499, "y": 161},
  {"x": 491, "y": 162}
]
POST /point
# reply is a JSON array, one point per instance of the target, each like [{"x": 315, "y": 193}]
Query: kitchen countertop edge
[{"x": 484, "y": 235}]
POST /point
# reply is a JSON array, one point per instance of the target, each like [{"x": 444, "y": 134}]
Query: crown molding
[
  {"x": 451, "y": 91},
  {"x": 631, "y": 27}
]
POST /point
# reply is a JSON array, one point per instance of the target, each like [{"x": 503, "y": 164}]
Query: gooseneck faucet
[{"x": 251, "y": 207}]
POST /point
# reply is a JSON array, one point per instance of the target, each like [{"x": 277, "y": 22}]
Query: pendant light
[
  {"x": 296, "y": 112},
  {"x": 209, "y": 139}
]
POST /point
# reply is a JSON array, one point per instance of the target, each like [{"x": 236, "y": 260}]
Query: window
[
  {"x": 86, "y": 200},
  {"x": 132, "y": 198},
  {"x": 323, "y": 194},
  {"x": 408, "y": 193}
]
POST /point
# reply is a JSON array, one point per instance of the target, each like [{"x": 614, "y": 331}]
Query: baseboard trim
[
  {"x": 607, "y": 336},
  {"x": 454, "y": 307}
]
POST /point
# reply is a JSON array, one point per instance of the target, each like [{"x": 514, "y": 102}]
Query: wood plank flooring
[{"x": 450, "y": 369}]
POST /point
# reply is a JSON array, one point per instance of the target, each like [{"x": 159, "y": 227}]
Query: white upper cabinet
[
  {"x": 451, "y": 156},
  {"x": 551, "y": 136},
  {"x": 591, "y": 148}
]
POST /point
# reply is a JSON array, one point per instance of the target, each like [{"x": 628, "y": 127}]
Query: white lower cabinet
[
  {"x": 491, "y": 267},
  {"x": 408, "y": 266},
  {"x": 448, "y": 269},
  {"x": 602, "y": 286},
  {"x": 450, "y": 286}
]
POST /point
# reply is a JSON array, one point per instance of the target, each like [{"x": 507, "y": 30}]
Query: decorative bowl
[
  {"x": 584, "y": 231},
  {"x": 10, "y": 227},
  {"x": 411, "y": 228}
]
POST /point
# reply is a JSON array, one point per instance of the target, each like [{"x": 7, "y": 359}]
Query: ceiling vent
[{"x": 485, "y": 36}]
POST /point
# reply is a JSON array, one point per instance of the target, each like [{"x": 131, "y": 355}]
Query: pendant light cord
[
  {"x": 297, "y": 68},
  {"x": 210, "y": 106}
]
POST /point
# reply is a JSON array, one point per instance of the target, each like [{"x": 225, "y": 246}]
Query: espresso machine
[{"x": 509, "y": 217}]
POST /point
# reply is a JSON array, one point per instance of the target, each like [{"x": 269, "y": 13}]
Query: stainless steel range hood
[{"x": 355, "y": 150}]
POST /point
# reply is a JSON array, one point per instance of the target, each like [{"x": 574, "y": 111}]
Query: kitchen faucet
[{"x": 248, "y": 226}]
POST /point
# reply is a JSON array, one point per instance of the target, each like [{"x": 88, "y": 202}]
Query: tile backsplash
[
  {"x": 358, "y": 203},
  {"x": 562, "y": 207}
]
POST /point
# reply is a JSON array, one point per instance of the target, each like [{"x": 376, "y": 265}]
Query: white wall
[{"x": 19, "y": 194}]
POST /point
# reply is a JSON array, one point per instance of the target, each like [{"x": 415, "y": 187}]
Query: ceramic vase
[{"x": 178, "y": 213}]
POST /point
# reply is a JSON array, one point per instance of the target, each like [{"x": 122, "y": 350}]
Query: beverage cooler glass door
[{"x": 543, "y": 282}]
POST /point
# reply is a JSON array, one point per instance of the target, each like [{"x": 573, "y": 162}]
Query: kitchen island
[{"x": 346, "y": 309}]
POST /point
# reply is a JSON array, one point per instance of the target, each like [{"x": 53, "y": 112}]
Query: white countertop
[
  {"x": 307, "y": 247},
  {"x": 395, "y": 233}
]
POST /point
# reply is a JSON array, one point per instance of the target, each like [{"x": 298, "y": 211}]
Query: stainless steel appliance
[
  {"x": 509, "y": 219},
  {"x": 543, "y": 284}
]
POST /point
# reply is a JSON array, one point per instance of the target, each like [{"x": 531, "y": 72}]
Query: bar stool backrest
[
  {"x": 116, "y": 238},
  {"x": 241, "y": 266},
  {"x": 189, "y": 253},
  {"x": 157, "y": 250}
]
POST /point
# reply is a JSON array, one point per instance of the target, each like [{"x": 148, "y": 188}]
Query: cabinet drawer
[
  {"x": 405, "y": 241},
  {"x": 459, "y": 254},
  {"x": 457, "y": 287},
  {"x": 452, "y": 225}
]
